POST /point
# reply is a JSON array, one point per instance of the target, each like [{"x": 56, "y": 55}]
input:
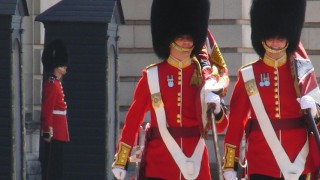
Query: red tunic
[
  {"x": 285, "y": 104},
  {"x": 53, "y": 100},
  {"x": 179, "y": 100}
]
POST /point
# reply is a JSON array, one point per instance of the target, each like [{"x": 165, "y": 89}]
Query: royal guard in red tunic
[
  {"x": 270, "y": 98},
  {"x": 170, "y": 91},
  {"x": 54, "y": 125}
]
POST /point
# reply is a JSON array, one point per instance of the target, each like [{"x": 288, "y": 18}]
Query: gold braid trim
[
  {"x": 151, "y": 65},
  {"x": 230, "y": 156},
  {"x": 121, "y": 158},
  {"x": 196, "y": 79}
]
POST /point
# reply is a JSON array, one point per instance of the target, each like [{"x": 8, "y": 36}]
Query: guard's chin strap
[
  {"x": 275, "y": 51},
  {"x": 179, "y": 48}
]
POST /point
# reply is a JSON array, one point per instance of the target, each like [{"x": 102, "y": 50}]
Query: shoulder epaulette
[
  {"x": 152, "y": 65},
  {"x": 250, "y": 63},
  {"x": 51, "y": 79}
]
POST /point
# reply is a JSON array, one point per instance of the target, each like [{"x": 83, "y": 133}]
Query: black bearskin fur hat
[
  {"x": 276, "y": 18},
  {"x": 171, "y": 18},
  {"x": 54, "y": 55}
]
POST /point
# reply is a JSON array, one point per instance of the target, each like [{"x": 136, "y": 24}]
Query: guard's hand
[
  {"x": 230, "y": 175},
  {"x": 211, "y": 85},
  {"x": 307, "y": 102},
  {"x": 213, "y": 100},
  {"x": 119, "y": 173},
  {"x": 47, "y": 139},
  {"x": 47, "y": 136}
]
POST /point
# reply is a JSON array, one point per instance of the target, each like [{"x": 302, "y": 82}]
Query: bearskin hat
[
  {"x": 171, "y": 18},
  {"x": 276, "y": 18},
  {"x": 54, "y": 55}
]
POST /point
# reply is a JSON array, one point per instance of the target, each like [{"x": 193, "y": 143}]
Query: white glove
[
  {"x": 214, "y": 98},
  {"x": 230, "y": 175},
  {"x": 212, "y": 85},
  {"x": 307, "y": 102},
  {"x": 119, "y": 173}
]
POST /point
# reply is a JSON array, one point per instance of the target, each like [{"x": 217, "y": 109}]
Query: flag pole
[
  {"x": 313, "y": 127},
  {"x": 216, "y": 146}
]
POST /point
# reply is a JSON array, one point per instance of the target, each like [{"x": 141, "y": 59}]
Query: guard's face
[
  {"x": 276, "y": 43},
  {"x": 184, "y": 41},
  {"x": 62, "y": 70}
]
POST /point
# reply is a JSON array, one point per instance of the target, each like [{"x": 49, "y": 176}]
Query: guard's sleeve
[
  {"x": 219, "y": 67},
  {"x": 213, "y": 63},
  {"x": 221, "y": 119},
  {"x": 239, "y": 110},
  {"x": 139, "y": 107},
  {"x": 49, "y": 95},
  {"x": 134, "y": 118},
  {"x": 203, "y": 58}
]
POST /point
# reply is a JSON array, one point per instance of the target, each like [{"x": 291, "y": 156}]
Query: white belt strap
[
  {"x": 290, "y": 171},
  {"x": 190, "y": 167},
  {"x": 59, "y": 112}
]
